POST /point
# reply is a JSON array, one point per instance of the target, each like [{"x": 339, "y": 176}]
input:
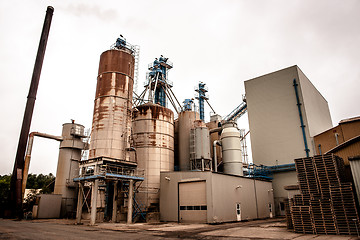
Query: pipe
[
  {"x": 307, "y": 150},
  {"x": 216, "y": 142},
  {"x": 215, "y": 130},
  {"x": 210, "y": 106},
  {"x": 28, "y": 155},
  {"x": 16, "y": 179}
]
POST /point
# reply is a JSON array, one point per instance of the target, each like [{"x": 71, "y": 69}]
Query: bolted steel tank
[
  {"x": 153, "y": 139},
  {"x": 111, "y": 125},
  {"x": 185, "y": 124},
  {"x": 231, "y": 149},
  {"x": 200, "y": 158}
]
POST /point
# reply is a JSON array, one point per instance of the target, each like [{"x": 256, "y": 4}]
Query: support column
[
  {"x": 115, "y": 197},
  {"x": 130, "y": 201},
  {"x": 94, "y": 193},
  {"x": 79, "y": 204}
]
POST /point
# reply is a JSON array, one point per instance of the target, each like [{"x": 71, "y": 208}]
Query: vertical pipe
[
  {"x": 215, "y": 157},
  {"x": 114, "y": 213},
  {"x": 94, "y": 193},
  {"x": 307, "y": 150},
  {"x": 130, "y": 201},
  {"x": 27, "y": 162},
  {"x": 16, "y": 179},
  {"x": 79, "y": 204}
]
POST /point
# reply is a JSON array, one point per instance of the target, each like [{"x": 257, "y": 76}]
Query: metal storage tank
[
  {"x": 214, "y": 131},
  {"x": 231, "y": 149},
  {"x": 153, "y": 138},
  {"x": 68, "y": 166},
  {"x": 200, "y": 158},
  {"x": 111, "y": 125},
  {"x": 186, "y": 123}
]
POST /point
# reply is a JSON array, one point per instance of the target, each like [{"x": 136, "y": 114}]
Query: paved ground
[{"x": 66, "y": 229}]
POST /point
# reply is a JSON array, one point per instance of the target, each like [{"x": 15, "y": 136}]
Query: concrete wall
[
  {"x": 276, "y": 136},
  {"x": 280, "y": 180},
  {"x": 275, "y": 127},
  {"x": 169, "y": 192},
  {"x": 316, "y": 107},
  {"x": 222, "y": 194}
]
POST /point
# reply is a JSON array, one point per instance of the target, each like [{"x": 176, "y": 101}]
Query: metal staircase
[{"x": 138, "y": 208}]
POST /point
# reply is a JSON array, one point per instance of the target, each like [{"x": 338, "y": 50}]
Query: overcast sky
[{"x": 222, "y": 43}]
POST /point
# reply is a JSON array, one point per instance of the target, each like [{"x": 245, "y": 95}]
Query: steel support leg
[
  {"x": 115, "y": 197},
  {"x": 79, "y": 204},
  {"x": 94, "y": 193},
  {"x": 130, "y": 202}
]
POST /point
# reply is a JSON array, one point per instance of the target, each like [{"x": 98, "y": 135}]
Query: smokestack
[{"x": 16, "y": 179}]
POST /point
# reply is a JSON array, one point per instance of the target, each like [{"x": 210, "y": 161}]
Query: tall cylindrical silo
[
  {"x": 111, "y": 125},
  {"x": 186, "y": 123},
  {"x": 200, "y": 158},
  {"x": 231, "y": 149},
  {"x": 68, "y": 166},
  {"x": 153, "y": 138}
]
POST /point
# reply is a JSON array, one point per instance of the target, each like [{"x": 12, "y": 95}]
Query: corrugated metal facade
[{"x": 355, "y": 170}]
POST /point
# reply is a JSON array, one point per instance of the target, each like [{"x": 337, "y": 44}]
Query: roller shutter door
[{"x": 192, "y": 202}]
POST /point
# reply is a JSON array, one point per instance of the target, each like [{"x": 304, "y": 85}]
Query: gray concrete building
[
  {"x": 208, "y": 197},
  {"x": 285, "y": 112}
]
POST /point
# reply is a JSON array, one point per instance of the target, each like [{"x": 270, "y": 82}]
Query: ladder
[{"x": 136, "y": 66}]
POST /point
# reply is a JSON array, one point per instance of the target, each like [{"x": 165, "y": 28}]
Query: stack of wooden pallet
[
  {"x": 302, "y": 221},
  {"x": 326, "y": 202},
  {"x": 343, "y": 206},
  {"x": 289, "y": 223},
  {"x": 306, "y": 176}
]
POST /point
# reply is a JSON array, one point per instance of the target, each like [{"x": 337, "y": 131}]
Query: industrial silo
[
  {"x": 200, "y": 158},
  {"x": 153, "y": 138},
  {"x": 186, "y": 123},
  {"x": 231, "y": 149},
  {"x": 111, "y": 125},
  {"x": 71, "y": 146}
]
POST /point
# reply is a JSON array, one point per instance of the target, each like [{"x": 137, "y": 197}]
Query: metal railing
[{"x": 103, "y": 169}]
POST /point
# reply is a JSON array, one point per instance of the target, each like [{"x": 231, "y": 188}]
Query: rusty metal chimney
[{"x": 16, "y": 179}]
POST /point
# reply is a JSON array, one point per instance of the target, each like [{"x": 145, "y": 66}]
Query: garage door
[{"x": 192, "y": 202}]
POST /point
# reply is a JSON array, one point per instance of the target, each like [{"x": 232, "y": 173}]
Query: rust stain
[{"x": 156, "y": 111}]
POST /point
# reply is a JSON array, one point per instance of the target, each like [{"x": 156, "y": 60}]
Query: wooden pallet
[
  {"x": 289, "y": 223},
  {"x": 306, "y": 175},
  {"x": 344, "y": 208},
  {"x": 322, "y": 216},
  {"x": 301, "y": 217}
]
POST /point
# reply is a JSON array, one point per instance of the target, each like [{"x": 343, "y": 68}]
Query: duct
[
  {"x": 215, "y": 130},
  {"x": 28, "y": 154}
]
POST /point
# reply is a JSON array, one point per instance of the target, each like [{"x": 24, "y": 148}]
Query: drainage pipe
[{"x": 307, "y": 150}]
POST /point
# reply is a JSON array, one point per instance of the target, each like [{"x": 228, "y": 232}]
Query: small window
[
  {"x": 182, "y": 207},
  {"x": 204, "y": 207},
  {"x": 196, "y": 207}
]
